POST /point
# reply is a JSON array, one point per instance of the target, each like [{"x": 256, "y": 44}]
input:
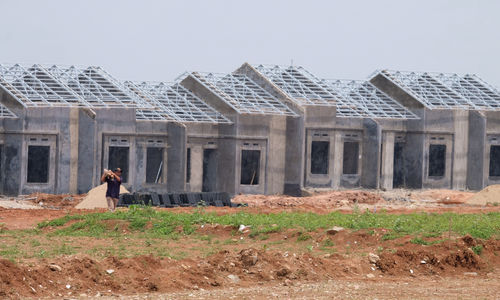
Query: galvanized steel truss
[
  {"x": 5, "y": 112},
  {"x": 242, "y": 94},
  {"x": 173, "y": 101},
  {"x": 352, "y": 99},
  {"x": 56, "y": 86},
  {"x": 446, "y": 90},
  {"x": 369, "y": 100},
  {"x": 300, "y": 85}
]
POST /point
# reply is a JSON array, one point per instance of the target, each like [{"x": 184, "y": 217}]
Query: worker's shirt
[{"x": 113, "y": 190}]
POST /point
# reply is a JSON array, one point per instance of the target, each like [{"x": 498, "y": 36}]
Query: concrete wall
[{"x": 266, "y": 133}]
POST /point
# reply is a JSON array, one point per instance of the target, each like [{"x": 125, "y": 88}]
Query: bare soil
[{"x": 279, "y": 266}]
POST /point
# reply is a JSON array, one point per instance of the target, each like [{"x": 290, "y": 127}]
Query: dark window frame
[
  {"x": 494, "y": 164},
  {"x": 320, "y": 152},
  {"x": 254, "y": 178},
  {"x": 149, "y": 163},
  {"x": 32, "y": 169},
  {"x": 354, "y": 165},
  {"x": 436, "y": 169}
]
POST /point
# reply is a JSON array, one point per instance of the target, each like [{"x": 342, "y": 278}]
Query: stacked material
[{"x": 96, "y": 197}]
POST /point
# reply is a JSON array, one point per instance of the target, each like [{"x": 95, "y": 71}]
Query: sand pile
[
  {"x": 96, "y": 197},
  {"x": 490, "y": 194}
]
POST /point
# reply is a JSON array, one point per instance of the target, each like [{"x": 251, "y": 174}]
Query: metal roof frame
[
  {"x": 352, "y": 99},
  {"x": 57, "y": 86},
  {"x": 5, "y": 112},
  {"x": 368, "y": 100},
  {"x": 242, "y": 93},
  {"x": 300, "y": 85},
  {"x": 446, "y": 90},
  {"x": 173, "y": 101}
]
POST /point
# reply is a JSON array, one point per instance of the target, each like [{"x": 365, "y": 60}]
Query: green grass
[
  {"x": 143, "y": 230},
  {"x": 165, "y": 223}
]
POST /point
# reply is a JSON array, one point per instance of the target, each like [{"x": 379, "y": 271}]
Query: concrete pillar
[
  {"x": 387, "y": 163},
  {"x": 460, "y": 148},
  {"x": 176, "y": 157},
  {"x": 338, "y": 146},
  {"x": 87, "y": 153},
  {"x": 73, "y": 157},
  {"x": 196, "y": 181},
  {"x": 370, "y": 165},
  {"x": 476, "y": 149},
  {"x": 294, "y": 153}
]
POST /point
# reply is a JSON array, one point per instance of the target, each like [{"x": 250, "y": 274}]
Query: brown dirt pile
[
  {"x": 324, "y": 200},
  {"x": 245, "y": 267},
  {"x": 489, "y": 195},
  {"x": 55, "y": 201}
]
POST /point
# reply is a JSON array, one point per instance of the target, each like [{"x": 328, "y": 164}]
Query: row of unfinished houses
[{"x": 260, "y": 129}]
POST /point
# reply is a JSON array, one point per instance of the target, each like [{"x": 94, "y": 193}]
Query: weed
[
  {"x": 303, "y": 237},
  {"x": 328, "y": 243},
  {"x": 478, "y": 249}
]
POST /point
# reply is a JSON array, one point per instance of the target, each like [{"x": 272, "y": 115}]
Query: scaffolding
[
  {"x": 173, "y": 102},
  {"x": 242, "y": 93},
  {"x": 446, "y": 90},
  {"x": 56, "y": 86}
]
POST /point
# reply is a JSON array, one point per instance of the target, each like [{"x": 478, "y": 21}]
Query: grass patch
[
  {"x": 146, "y": 230},
  {"x": 478, "y": 249}
]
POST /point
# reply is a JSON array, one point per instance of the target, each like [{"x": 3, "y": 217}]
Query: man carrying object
[{"x": 114, "y": 180}]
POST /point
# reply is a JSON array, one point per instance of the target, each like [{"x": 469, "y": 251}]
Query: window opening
[
  {"x": 319, "y": 157},
  {"x": 38, "y": 164},
  {"x": 250, "y": 167}
]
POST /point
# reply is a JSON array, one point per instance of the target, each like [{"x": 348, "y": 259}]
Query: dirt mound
[
  {"x": 447, "y": 258},
  {"x": 55, "y": 201},
  {"x": 489, "y": 195},
  {"x": 75, "y": 275},
  {"x": 96, "y": 197},
  {"x": 322, "y": 200}
]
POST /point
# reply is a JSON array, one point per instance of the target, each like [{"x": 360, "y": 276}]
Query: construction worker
[{"x": 114, "y": 180}]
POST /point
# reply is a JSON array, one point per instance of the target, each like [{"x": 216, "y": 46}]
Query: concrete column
[
  {"x": 176, "y": 158},
  {"x": 294, "y": 156},
  {"x": 476, "y": 149},
  {"x": 338, "y": 146},
  {"x": 372, "y": 138},
  {"x": 73, "y": 157},
  {"x": 196, "y": 181},
  {"x": 387, "y": 163},
  {"x": 460, "y": 147}
]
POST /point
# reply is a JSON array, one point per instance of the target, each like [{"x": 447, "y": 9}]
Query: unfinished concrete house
[
  {"x": 197, "y": 159},
  {"x": 454, "y": 143},
  {"x": 246, "y": 156},
  {"x": 70, "y": 124},
  {"x": 341, "y": 135}
]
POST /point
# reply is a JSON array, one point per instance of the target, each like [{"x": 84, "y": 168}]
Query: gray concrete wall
[
  {"x": 295, "y": 131},
  {"x": 492, "y": 129},
  {"x": 460, "y": 149},
  {"x": 476, "y": 151},
  {"x": 372, "y": 139}
]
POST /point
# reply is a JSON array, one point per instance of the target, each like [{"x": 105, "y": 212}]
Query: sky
[{"x": 160, "y": 40}]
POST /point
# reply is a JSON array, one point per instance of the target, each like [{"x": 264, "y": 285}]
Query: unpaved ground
[{"x": 279, "y": 266}]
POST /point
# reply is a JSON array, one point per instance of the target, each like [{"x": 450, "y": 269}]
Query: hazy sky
[{"x": 159, "y": 40}]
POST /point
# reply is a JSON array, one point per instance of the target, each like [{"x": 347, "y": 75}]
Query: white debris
[
  {"x": 110, "y": 271},
  {"x": 233, "y": 278},
  {"x": 68, "y": 286},
  {"x": 373, "y": 258}
]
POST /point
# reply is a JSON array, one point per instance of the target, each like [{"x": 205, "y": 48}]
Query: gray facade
[{"x": 260, "y": 130}]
